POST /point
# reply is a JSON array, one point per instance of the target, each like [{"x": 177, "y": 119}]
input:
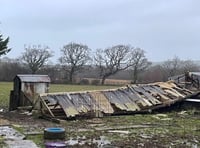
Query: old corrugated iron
[
  {"x": 129, "y": 99},
  {"x": 34, "y": 78}
]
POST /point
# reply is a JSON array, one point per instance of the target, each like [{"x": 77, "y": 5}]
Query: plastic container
[{"x": 54, "y": 133}]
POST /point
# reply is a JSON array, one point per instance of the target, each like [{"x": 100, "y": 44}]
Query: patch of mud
[
  {"x": 7, "y": 132},
  {"x": 20, "y": 144},
  {"x": 82, "y": 141}
]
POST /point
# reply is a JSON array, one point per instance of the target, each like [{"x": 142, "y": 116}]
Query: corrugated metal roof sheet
[
  {"x": 34, "y": 78},
  {"x": 127, "y": 99}
]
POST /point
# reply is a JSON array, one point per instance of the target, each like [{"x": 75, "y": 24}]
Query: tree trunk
[
  {"x": 71, "y": 74},
  {"x": 135, "y": 75},
  {"x": 71, "y": 77},
  {"x": 33, "y": 72},
  {"x": 103, "y": 80}
]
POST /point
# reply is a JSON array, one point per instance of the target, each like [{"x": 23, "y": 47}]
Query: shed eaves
[{"x": 34, "y": 78}]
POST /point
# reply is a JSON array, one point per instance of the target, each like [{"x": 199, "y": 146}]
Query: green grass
[
  {"x": 72, "y": 88},
  {"x": 6, "y": 87}
]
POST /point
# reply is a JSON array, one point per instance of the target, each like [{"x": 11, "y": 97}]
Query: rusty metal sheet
[
  {"x": 126, "y": 99},
  {"x": 147, "y": 95},
  {"x": 89, "y": 101},
  {"x": 114, "y": 99},
  {"x": 131, "y": 105},
  {"x": 102, "y": 103},
  {"x": 79, "y": 103},
  {"x": 66, "y": 104},
  {"x": 157, "y": 92},
  {"x": 142, "y": 101},
  {"x": 168, "y": 87}
]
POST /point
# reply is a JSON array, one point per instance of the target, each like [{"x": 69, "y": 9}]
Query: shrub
[
  {"x": 95, "y": 82},
  {"x": 84, "y": 82}
]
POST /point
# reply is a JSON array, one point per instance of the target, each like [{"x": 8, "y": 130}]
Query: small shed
[{"x": 27, "y": 89}]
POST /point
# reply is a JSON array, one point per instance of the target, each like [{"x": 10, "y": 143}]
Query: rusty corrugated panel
[
  {"x": 147, "y": 95},
  {"x": 102, "y": 102},
  {"x": 129, "y": 102},
  {"x": 34, "y": 78},
  {"x": 168, "y": 88},
  {"x": 114, "y": 99},
  {"x": 82, "y": 102},
  {"x": 90, "y": 102},
  {"x": 126, "y": 99},
  {"x": 133, "y": 98},
  {"x": 66, "y": 104},
  {"x": 142, "y": 102},
  {"x": 78, "y": 103},
  {"x": 157, "y": 92}
]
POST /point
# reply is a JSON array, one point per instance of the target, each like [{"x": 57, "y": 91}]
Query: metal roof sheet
[
  {"x": 34, "y": 78},
  {"x": 126, "y": 99}
]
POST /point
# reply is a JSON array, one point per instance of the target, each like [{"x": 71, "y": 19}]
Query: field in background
[
  {"x": 68, "y": 88},
  {"x": 107, "y": 81},
  {"x": 6, "y": 87}
]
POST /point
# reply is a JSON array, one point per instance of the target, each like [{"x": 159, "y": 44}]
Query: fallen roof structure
[
  {"x": 190, "y": 80},
  {"x": 124, "y": 100}
]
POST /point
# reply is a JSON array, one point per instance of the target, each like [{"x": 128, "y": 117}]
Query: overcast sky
[{"x": 163, "y": 28}]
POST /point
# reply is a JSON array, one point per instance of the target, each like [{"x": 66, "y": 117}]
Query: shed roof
[{"x": 34, "y": 78}]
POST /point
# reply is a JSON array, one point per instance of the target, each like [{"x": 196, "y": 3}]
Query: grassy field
[{"x": 6, "y": 87}]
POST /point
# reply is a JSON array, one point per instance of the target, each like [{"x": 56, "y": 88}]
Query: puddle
[
  {"x": 100, "y": 142},
  {"x": 10, "y": 133},
  {"x": 119, "y": 131},
  {"x": 14, "y": 139}
]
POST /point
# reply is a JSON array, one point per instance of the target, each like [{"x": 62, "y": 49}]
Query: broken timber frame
[{"x": 124, "y": 100}]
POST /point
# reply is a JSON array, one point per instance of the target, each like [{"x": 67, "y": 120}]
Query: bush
[
  {"x": 84, "y": 82},
  {"x": 95, "y": 82}
]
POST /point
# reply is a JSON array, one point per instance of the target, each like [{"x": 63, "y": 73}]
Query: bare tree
[
  {"x": 36, "y": 57},
  {"x": 177, "y": 66},
  {"x": 139, "y": 62},
  {"x": 74, "y": 57},
  {"x": 152, "y": 74},
  {"x": 4, "y": 45},
  {"x": 172, "y": 67},
  {"x": 189, "y": 65},
  {"x": 112, "y": 60}
]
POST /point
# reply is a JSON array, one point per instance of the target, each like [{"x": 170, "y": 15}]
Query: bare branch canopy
[
  {"x": 74, "y": 57},
  {"x": 36, "y": 56}
]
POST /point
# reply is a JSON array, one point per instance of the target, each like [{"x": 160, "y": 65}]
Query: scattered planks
[{"x": 129, "y": 99}]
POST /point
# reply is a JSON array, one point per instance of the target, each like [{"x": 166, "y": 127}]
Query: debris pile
[{"x": 124, "y": 100}]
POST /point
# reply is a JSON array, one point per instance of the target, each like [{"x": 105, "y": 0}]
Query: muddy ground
[{"x": 172, "y": 129}]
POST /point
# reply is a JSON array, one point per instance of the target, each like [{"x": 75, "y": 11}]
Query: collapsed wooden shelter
[{"x": 124, "y": 100}]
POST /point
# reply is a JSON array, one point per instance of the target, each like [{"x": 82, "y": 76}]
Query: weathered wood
[
  {"x": 43, "y": 103},
  {"x": 129, "y": 99},
  {"x": 102, "y": 102}
]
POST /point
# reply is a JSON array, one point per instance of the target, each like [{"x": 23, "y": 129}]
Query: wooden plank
[{"x": 42, "y": 101}]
